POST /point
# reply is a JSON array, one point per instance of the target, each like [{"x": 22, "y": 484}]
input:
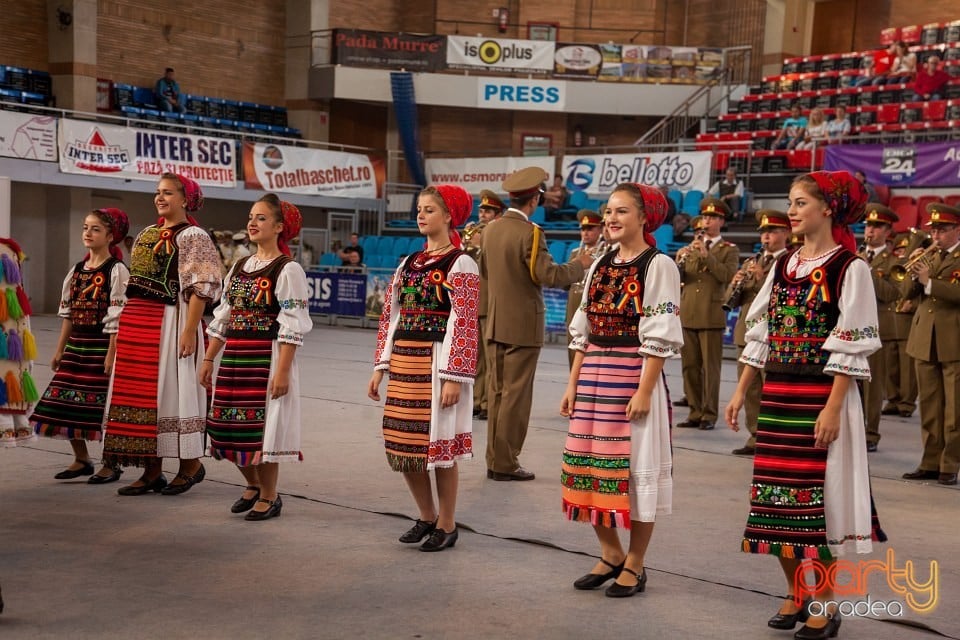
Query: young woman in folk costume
[
  {"x": 811, "y": 328},
  {"x": 93, "y": 296},
  {"x": 254, "y": 418},
  {"x": 617, "y": 462},
  {"x": 156, "y": 405},
  {"x": 428, "y": 342}
]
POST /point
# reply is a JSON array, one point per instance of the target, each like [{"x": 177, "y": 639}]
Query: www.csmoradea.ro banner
[{"x": 311, "y": 171}]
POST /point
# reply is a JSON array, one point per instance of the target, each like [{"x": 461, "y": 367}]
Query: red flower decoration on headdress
[
  {"x": 292, "y": 223},
  {"x": 119, "y": 222}
]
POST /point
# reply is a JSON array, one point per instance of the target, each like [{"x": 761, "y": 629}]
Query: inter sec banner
[
  {"x": 28, "y": 136},
  {"x": 310, "y": 171},
  {"x": 475, "y": 174},
  {"x": 499, "y": 54},
  {"x": 599, "y": 174},
  {"x": 107, "y": 150},
  {"x": 929, "y": 164}
]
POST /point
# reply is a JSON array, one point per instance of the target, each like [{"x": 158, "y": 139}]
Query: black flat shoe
[
  {"x": 689, "y": 424},
  {"x": 594, "y": 580},
  {"x": 157, "y": 484},
  {"x": 681, "y": 402},
  {"x": 418, "y": 531},
  {"x": 272, "y": 512},
  {"x": 69, "y": 474},
  {"x": 625, "y": 591},
  {"x": 440, "y": 540},
  {"x": 245, "y": 504},
  {"x": 115, "y": 474},
  {"x": 787, "y": 621},
  {"x": 830, "y": 630},
  {"x": 176, "y": 488}
]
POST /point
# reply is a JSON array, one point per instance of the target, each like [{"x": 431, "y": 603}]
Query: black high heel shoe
[
  {"x": 157, "y": 484},
  {"x": 625, "y": 591},
  {"x": 594, "y": 580},
  {"x": 825, "y": 632},
  {"x": 272, "y": 512},
  {"x": 69, "y": 474},
  {"x": 786, "y": 621},
  {"x": 245, "y": 504},
  {"x": 176, "y": 488},
  {"x": 420, "y": 530},
  {"x": 440, "y": 540}
]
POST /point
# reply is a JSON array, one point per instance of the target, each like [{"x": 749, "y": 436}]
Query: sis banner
[
  {"x": 931, "y": 164},
  {"x": 600, "y": 174},
  {"x": 311, "y": 171},
  {"x": 106, "y": 150},
  {"x": 26, "y": 136}
]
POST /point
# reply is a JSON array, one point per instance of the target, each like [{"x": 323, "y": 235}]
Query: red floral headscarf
[
  {"x": 459, "y": 204},
  {"x": 119, "y": 227},
  {"x": 654, "y": 210},
  {"x": 193, "y": 198},
  {"x": 846, "y": 197},
  {"x": 292, "y": 223}
]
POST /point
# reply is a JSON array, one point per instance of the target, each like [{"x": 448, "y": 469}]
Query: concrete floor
[{"x": 78, "y": 561}]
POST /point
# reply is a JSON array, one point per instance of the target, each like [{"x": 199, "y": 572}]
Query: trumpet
[
  {"x": 685, "y": 251},
  {"x": 735, "y": 299},
  {"x": 472, "y": 229},
  {"x": 900, "y": 272}
]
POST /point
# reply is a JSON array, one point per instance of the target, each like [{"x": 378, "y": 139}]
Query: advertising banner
[
  {"x": 340, "y": 294},
  {"x": 107, "y": 150},
  {"x": 930, "y": 164},
  {"x": 555, "y": 311},
  {"x": 358, "y": 48},
  {"x": 657, "y": 64},
  {"x": 516, "y": 94},
  {"x": 599, "y": 174},
  {"x": 310, "y": 171},
  {"x": 28, "y": 136},
  {"x": 498, "y": 54},
  {"x": 475, "y": 174},
  {"x": 573, "y": 60}
]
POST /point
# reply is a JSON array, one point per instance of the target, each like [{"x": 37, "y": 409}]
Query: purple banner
[{"x": 931, "y": 164}]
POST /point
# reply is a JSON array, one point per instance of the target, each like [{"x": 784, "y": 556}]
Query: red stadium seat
[
  {"x": 906, "y": 208},
  {"x": 952, "y": 200},
  {"x": 888, "y": 113},
  {"x": 935, "y": 111}
]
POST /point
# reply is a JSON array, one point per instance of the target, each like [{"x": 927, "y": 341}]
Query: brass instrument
[
  {"x": 735, "y": 299},
  {"x": 599, "y": 249},
  {"x": 472, "y": 229},
  {"x": 473, "y": 249},
  {"x": 685, "y": 251},
  {"x": 900, "y": 272}
]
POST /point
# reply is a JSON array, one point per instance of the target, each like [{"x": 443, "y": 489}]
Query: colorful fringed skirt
[
  {"x": 418, "y": 434},
  {"x": 245, "y": 426},
  {"x": 614, "y": 470},
  {"x": 72, "y": 406}
]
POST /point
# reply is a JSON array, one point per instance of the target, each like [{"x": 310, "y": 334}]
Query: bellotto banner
[
  {"x": 600, "y": 174},
  {"x": 143, "y": 154},
  {"x": 310, "y": 171},
  {"x": 357, "y": 48},
  {"x": 932, "y": 164},
  {"x": 497, "y": 54}
]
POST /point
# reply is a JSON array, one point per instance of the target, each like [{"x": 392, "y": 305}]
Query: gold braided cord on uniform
[{"x": 533, "y": 255}]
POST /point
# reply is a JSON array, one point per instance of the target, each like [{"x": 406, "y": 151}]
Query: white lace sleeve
[
  {"x": 857, "y": 334},
  {"x": 119, "y": 277},
  {"x": 659, "y": 327}
]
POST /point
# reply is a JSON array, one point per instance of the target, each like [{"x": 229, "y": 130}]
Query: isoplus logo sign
[{"x": 850, "y": 582}]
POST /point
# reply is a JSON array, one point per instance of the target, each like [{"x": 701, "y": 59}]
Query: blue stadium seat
[
  {"x": 131, "y": 112},
  {"x": 539, "y": 215},
  {"x": 384, "y": 246},
  {"x": 691, "y": 202},
  {"x": 330, "y": 259},
  {"x": 663, "y": 235},
  {"x": 677, "y": 196},
  {"x": 558, "y": 250},
  {"x": 369, "y": 244},
  {"x": 579, "y": 200},
  {"x": 144, "y": 97},
  {"x": 9, "y": 95}
]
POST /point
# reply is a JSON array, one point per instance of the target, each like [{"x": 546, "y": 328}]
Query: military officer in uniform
[
  {"x": 706, "y": 267},
  {"x": 491, "y": 208},
  {"x": 901, "y": 369},
  {"x": 935, "y": 345},
  {"x": 774, "y": 228},
  {"x": 876, "y": 252},
  {"x": 591, "y": 242},
  {"x": 516, "y": 264}
]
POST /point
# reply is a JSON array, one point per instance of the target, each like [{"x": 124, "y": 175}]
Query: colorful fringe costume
[
  {"x": 263, "y": 306},
  {"x": 73, "y": 405},
  {"x": 18, "y": 349},
  {"x": 614, "y": 470}
]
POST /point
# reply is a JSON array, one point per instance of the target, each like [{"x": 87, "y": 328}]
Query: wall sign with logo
[
  {"x": 499, "y": 54},
  {"x": 310, "y": 171},
  {"x": 930, "y": 164},
  {"x": 577, "y": 61},
  {"x": 600, "y": 174},
  {"x": 514, "y": 94},
  {"x": 354, "y": 47}
]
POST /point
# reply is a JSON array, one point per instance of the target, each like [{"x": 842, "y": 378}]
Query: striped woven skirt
[
  {"x": 406, "y": 413},
  {"x": 237, "y": 414},
  {"x": 786, "y": 495},
  {"x": 72, "y": 406},
  {"x": 131, "y": 427},
  {"x": 615, "y": 471}
]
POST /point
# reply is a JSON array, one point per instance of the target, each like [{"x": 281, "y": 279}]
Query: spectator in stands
[
  {"x": 555, "y": 197},
  {"x": 816, "y": 131},
  {"x": 354, "y": 247},
  {"x": 791, "y": 132},
  {"x": 930, "y": 80},
  {"x": 871, "y": 192},
  {"x": 867, "y": 72},
  {"x": 904, "y": 65},
  {"x": 839, "y": 127},
  {"x": 883, "y": 60},
  {"x": 353, "y": 263},
  {"x": 730, "y": 191},
  {"x": 168, "y": 93},
  {"x": 240, "y": 248},
  {"x": 671, "y": 205}
]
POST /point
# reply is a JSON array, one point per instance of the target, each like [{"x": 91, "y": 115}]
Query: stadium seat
[
  {"x": 952, "y": 200},
  {"x": 578, "y": 200},
  {"x": 906, "y": 209},
  {"x": 677, "y": 196},
  {"x": 539, "y": 216},
  {"x": 691, "y": 202},
  {"x": 922, "y": 202},
  {"x": 558, "y": 250},
  {"x": 330, "y": 259}
]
